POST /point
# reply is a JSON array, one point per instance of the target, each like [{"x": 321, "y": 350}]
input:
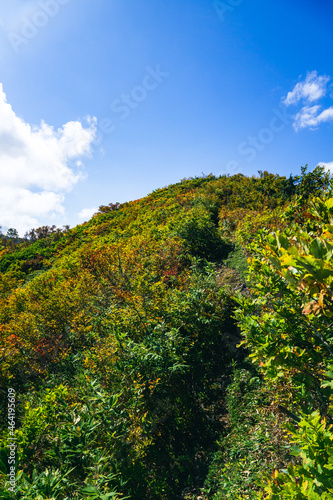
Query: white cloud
[
  {"x": 326, "y": 115},
  {"x": 328, "y": 165},
  {"x": 306, "y": 117},
  {"x": 37, "y": 166},
  {"x": 87, "y": 213},
  {"x": 310, "y": 117},
  {"x": 312, "y": 89}
]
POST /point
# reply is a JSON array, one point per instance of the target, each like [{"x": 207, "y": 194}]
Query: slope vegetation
[{"x": 120, "y": 344}]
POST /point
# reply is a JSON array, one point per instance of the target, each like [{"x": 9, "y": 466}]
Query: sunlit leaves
[{"x": 287, "y": 326}]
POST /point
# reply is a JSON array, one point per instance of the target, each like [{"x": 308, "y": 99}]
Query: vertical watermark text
[{"x": 11, "y": 440}]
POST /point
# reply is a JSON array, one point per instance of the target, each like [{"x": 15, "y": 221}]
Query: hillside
[{"x": 120, "y": 346}]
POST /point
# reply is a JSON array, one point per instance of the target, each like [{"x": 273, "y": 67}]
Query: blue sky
[{"x": 106, "y": 100}]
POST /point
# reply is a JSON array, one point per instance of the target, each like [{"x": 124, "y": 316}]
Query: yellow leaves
[
  {"x": 311, "y": 308},
  {"x": 321, "y": 299},
  {"x": 305, "y": 260},
  {"x": 153, "y": 384},
  {"x": 319, "y": 305}
]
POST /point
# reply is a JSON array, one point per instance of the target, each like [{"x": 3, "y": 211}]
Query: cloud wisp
[
  {"x": 308, "y": 92},
  {"x": 327, "y": 165},
  {"x": 313, "y": 88},
  {"x": 38, "y": 165},
  {"x": 87, "y": 213},
  {"x": 311, "y": 117}
]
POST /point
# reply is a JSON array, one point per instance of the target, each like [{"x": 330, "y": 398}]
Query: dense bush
[
  {"x": 120, "y": 339},
  {"x": 287, "y": 326}
]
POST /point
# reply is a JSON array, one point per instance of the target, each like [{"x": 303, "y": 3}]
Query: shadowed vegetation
[{"x": 157, "y": 350}]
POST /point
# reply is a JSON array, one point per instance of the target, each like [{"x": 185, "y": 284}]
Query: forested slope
[{"x": 120, "y": 338}]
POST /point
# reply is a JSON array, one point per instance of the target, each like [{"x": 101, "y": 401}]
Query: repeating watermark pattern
[
  {"x": 265, "y": 136},
  {"x": 223, "y": 8},
  {"x": 126, "y": 103},
  {"x": 255, "y": 144},
  {"x": 30, "y": 27},
  {"x": 11, "y": 440}
]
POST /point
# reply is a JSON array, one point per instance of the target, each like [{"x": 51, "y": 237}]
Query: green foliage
[
  {"x": 201, "y": 235},
  {"x": 286, "y": 324},
  {"x": 67, "y": 444},
  {"x": 315, "y": 183},
  {"x": 253, "y": 441},
  {"x": 237, "y": 259},
  {"x": 313, "y": 478},
  {"x": 120, "y": 340}
]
